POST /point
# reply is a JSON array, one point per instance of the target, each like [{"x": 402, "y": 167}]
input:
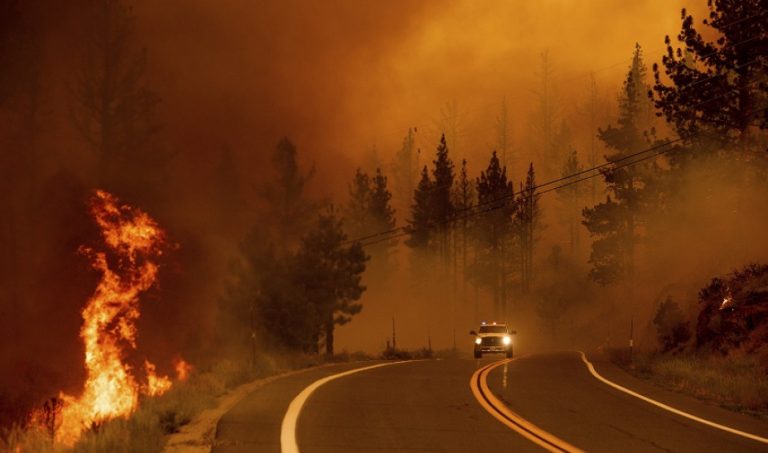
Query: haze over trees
[{"x": 479, "y": 220}]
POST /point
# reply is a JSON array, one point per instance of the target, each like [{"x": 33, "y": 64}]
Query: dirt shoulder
[{"x": 198, "y": 435}]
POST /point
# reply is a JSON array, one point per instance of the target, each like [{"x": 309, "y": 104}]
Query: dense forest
[{"x": 573, "y": 217}]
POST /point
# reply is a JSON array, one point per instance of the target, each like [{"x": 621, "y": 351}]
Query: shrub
[
  {"x": 672, "y": 330},
  {"x": 734, "y": 311}
]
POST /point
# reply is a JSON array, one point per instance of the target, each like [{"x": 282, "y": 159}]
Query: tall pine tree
[
  {"x": 442, "y": 203},
  {"x": 717, "y": 91},
  {"x": 614, "y": 223},
  {"x": 330, "y": 275},
  {"x": 421, "y": 222},
  {"x": 463, "y": 201},
  {"x": 529, "y": 221},
  {"x": 570, "y": 198},
  {"x": 493, "y": 231},
  {"x": 114, "y": 108}
]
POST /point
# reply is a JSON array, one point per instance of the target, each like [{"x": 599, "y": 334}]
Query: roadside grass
[
  {"x": 146, "y": 429},
  {"x": 738, "y": 382}
]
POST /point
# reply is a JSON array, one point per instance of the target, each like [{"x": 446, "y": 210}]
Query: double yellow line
[{"x": 503, "y": 414}]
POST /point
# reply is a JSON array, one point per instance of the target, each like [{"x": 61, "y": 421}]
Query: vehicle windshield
[{"x": 493, "y": 329}]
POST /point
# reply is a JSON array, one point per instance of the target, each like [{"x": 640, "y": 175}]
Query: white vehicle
[{"x": 493, "y": 338}]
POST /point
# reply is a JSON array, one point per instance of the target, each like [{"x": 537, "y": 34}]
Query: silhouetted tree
[
  {"x": 441, "y": 202},
  {"x": 595, "y": 110},
  {"x": 114, "y": 108},
  {"x": 570, "y": 197},
  {"x": 421, "y": 221},
  {"x": 370, "y": 213},
  {"x": 672, "y": 330},
  {"x": 405, "y": 171},
  {"x": 494, "y": 230},
  {"x": 545, "y": 117},
  {"x": 463, "y": 202},
  {"x": 614, "y": 223},
  {"x": 356, "y": 212},
  {"x": 287, "y": 201},
  {"x": 330, "y": 275},
  {"x": 381, "y": 213},
  {"x": 717, "y": 89},
  {"x": 451, "y": 118},
  {"x": 286, "y": 317},
  {"x": 528, "y": 216}
]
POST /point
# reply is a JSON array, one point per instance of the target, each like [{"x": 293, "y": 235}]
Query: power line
[{"x": 404, "y": 230}]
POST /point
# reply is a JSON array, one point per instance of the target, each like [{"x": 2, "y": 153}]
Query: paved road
[{"x": 428, "y": 406}]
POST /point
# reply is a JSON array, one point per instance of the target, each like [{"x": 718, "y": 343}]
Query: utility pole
[
  {"x": 253, "y": 333},
  {"x": 394, "y": 341},
  {"x": 631, "y": 337}
]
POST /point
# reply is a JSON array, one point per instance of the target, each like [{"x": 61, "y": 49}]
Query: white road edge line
[
  {"x": 288, "y": 442},
  {"x": 592, "y": 370}
]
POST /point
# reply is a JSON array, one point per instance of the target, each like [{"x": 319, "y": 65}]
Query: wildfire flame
[
  {"x": 727, "y": 302},
  {"x": 182, "y": 370},
  {"x": 133, "y": 241},
  {"x": 156, "y": 385}
]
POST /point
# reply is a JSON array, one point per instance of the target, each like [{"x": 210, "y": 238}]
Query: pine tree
[
  {"x": 421, "y": 222},
  {"x": 330, "y": 275},
  {"x": 451, "y": 119},
  {"x": 496, "y": 194},
  {"x": 570, "y": 197},
  {"x": 463, "y": 201},
  {"x": 595, "y": 109},
  {"x": 381, "y": 215},
  {"x": 287, "y": 201},
  {"x": 615, "y": 222},
  {"x": 114, "y": 108},
  {"x": 405, "y": 171},
  {"x": 717, "y": 89},
  {"x": 356, "y": 212},
  {"x": 528, "y": 218},
  {"x": 442, "y": 204},
  {"x": 545, "y": 117}
]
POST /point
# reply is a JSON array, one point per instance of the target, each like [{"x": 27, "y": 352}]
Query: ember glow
[
  {"x": 133, "y": 241},
  {"x": 182, "y": 369},
  {"x": 727, "y": 302}
]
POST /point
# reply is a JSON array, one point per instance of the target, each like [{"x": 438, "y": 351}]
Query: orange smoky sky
[{"x": 340, "y": 77}]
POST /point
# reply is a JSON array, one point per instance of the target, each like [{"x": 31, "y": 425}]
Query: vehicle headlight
[
  {"x": 507, "y": 340},
  {"x": 478, "y": 340}
]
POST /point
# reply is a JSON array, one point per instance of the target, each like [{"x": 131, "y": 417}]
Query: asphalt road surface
[{"x": 430, "y": 406}]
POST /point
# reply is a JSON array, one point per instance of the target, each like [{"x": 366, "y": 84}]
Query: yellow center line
[
  {"x": 687, "y": 415},
  {"x": 505, "y": 415}
]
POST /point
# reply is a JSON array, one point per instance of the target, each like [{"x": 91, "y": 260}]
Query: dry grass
[
  {"x": 738, "y": 382},
  {"x": 146, "y": 429}
]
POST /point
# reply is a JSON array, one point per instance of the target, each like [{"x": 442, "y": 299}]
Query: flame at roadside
[
  {"x": 127, "y": 266},
  {"x": 182, "y": 369}
]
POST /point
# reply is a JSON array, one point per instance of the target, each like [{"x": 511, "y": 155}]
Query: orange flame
[
  {"x": 109, "y": 318},
  {"x": 156, "y": 385},
  {"x": 182, "y": 370}
]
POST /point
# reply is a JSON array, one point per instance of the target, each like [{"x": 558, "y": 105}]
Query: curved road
[{"x": 429, "y": 406}]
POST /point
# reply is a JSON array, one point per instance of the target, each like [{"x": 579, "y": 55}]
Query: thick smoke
[{"x": 338, "y": 78}]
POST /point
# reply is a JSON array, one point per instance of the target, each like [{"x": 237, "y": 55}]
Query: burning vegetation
[{"x": 128, "y": 267}]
